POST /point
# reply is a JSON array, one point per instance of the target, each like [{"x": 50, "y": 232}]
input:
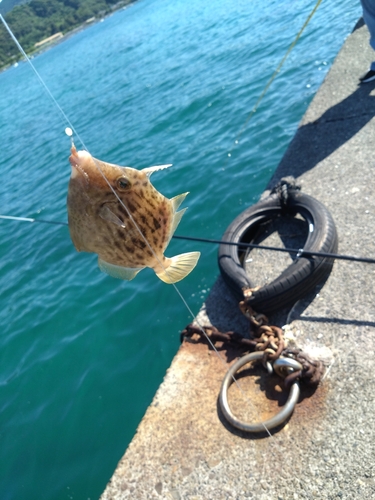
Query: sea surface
[{"x": 163, "y": 81}]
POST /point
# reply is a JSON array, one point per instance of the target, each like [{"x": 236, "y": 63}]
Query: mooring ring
[{"x": 274, "y": 421}]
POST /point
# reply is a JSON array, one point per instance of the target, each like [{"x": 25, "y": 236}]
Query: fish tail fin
[{"x": 180, "y": 266}]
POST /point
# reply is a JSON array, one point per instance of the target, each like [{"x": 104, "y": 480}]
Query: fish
[{"x": 118, "y": 214}]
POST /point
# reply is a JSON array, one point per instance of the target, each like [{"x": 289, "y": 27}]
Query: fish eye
[{"x": 123, "y": 183}]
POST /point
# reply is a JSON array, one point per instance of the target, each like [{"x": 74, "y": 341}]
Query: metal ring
[
  {"x": 285, "y": 366},
  {"x": 281, "y": 416}
]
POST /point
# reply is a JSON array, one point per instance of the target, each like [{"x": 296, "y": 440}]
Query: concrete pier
[{"x": 184, "y": 448}]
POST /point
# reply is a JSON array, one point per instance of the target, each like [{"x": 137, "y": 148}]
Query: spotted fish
[{"x": 99, "y": 222}]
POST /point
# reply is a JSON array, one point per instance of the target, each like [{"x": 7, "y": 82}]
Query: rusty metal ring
[{"x": 287, "y": 364}]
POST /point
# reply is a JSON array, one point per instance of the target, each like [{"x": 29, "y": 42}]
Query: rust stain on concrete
[
  {"x": 183, "y": 429},
  {"x": 183, "y": 448}
]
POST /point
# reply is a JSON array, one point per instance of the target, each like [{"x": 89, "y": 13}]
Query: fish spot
[
  {"x": 156, "y": 224},
  {"x": 122, "y": 210},
  {"x": 142, "y": 229},
  {"x": 132, "y": 207},
  {"x": 141, "y": 244},
  {"x": 146, "y": 221},
  {"x": 118, "y": 244},
  {"x": 151, "y": 204}
]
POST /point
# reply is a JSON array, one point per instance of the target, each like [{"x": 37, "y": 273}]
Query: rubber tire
[{"x": 298, "y": 279}]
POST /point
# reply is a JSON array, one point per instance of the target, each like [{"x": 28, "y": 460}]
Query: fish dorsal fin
[
  {"x": 179, "y": 267},
  {"x": 107, "y": 214},
  {"x": 119, "y": 272},
  {"x": 177, "y": 200},
  {"x": 151, "y": 170}
]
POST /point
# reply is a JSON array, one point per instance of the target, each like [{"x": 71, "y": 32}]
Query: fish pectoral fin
[
  {"x": 151, "y": 170},
  {"x": 119, "y": 272},
  {"x": 177, "y": 200},
  {"x": 180, "y": 266},
  {"x": 107, "y": 214}
]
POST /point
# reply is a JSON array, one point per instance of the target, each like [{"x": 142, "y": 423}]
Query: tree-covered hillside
[
  {"x": 7, "y": 5},
  {"x": 39, "y": 19}
]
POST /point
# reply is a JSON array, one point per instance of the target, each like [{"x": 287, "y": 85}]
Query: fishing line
[
  {"x": 273, "y": 76},
  {"x": 69, "y": 133},
  {"x": 194, "y": 316},
  {"x": 300, "y": 252},
  {"x": 28, "y": 219},
  {"x": 41, "y": 81}
]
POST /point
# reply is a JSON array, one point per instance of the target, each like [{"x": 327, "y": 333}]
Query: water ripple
[{"x": 161, "y": 82}]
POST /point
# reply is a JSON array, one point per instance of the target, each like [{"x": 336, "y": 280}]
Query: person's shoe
[{"x": 368, "y": 77}]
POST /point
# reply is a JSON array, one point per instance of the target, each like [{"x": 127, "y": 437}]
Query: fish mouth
[
  {"x": 76, "y": 159},
  {"x": 77, "y": 171}
]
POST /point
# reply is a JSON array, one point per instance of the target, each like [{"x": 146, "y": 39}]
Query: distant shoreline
[{"x": 123, "y": 4}]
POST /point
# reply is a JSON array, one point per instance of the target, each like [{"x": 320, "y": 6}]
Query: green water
[{"x": 163, "y": 81}]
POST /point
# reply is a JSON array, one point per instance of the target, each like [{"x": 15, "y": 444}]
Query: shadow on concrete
[
  {"x": 340, "y": 321},
  {"x": 317, "y": 140},
  {"x": 223, "y": 311}
]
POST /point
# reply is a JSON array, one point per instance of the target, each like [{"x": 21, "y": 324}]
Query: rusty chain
[{"x": 263, "y": 337}]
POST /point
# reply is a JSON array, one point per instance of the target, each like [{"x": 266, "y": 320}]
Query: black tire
[{"x": 302, "y": 276}]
